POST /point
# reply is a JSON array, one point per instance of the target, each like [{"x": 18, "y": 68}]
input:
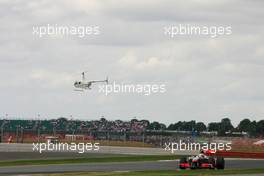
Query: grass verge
[
  {"x": 126, "y": 158},
  {"x": 168, "y": 173}
]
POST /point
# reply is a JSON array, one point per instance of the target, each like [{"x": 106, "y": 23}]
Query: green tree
[
  {"x": 225, "y": 126},
  {"x": 178, "y": 126},
  {"x": 171, "y": 127},
  {"x": 188, "y": 126},
  {"x": 260, "y": 128},
  {"x": 214, "y": 126},
  {"x": 244, "y": 125},
  {"x": 253, "y": 129},
  {"x": 200, "y": 126},
  {"x": 156, "y": 126}
]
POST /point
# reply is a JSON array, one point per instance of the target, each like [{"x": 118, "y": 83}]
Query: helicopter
[{"x": 84, "y": 85}]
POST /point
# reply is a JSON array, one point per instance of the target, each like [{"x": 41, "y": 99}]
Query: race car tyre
[
  {"x": 183, "y": 161},
  {"x": 220, "y": 163},
  {"x": 211, "y": 160},
  {"x": 194, "y": 165}
]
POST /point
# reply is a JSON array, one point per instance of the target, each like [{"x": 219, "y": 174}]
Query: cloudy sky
[{"x": 206, "y": 78}]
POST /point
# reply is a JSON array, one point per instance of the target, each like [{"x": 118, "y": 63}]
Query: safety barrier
[{"x": 240, "y": 154}]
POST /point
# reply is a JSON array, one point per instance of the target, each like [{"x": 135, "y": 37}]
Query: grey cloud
[{"x": 206, "y": 78}]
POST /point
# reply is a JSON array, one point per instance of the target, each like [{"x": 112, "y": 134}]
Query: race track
[
  {"x": 24, "y": 152},
  {"x": 125, "y": 166}
]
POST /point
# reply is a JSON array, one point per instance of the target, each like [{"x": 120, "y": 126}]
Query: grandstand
[
  {"x": 62, "y": 124},
  {"x": 143, "y": 131},
  {"x": 37, "y": 130}
]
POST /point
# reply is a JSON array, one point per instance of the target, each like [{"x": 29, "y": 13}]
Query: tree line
[{"x": 223, "y": 128}]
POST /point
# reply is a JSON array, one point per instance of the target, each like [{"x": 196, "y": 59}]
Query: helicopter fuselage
[{"x": 82, "y": 85}]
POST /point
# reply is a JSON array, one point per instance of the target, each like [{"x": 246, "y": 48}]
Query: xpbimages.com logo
[
  {"x": 193, "y": 146},
  {"x": 57, "y": 147},
  {"x": 193, "y": 30},
  {"x": 65, "y": 30},
  {"x": 143, "y": 89}
]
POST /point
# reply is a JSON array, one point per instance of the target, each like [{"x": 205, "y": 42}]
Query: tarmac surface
[
  {"x": 10, "y": 148},
  {"x": 11, "y": 156},
  {"x": 124, "y": 166},
  {"x": 24, "y": 151}
]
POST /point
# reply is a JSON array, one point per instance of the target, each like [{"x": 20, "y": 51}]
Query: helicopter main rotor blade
[{"x": 79, "y": 90}]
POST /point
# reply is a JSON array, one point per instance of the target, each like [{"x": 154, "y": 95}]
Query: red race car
[{"x": 205, "y": 160}]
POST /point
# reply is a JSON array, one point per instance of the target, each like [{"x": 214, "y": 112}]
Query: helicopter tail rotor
[{"x": 107, "y": 81}]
